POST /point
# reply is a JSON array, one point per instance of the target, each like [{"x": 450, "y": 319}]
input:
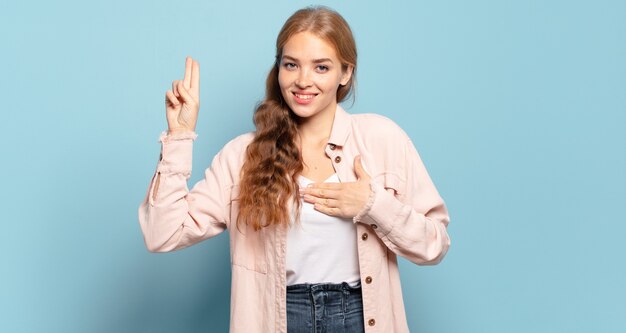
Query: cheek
[
  {"x": 283, "y": 84},
  {"x": 330, "y": 84},
  {"x": 283, "y": 80}
]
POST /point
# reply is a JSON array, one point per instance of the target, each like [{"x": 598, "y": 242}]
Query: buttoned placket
[
  {"x": 335, "y": 153},
  {"x": 365, "y": 268}
]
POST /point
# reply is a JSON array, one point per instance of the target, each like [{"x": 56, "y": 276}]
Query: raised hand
[
  {"x": 183, "y": 101},
  {"x": 340, "y": 199}
]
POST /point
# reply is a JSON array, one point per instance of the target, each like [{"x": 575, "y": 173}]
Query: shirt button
[
  {"x": 364, "y": 236},
  {"x": 373, "y": 226},
  {"x": 371, "y": 322},
  {"x": 368, "y": 280},
  {"x": 337, "y": 159},
  {"x": 332, "y": 146}
]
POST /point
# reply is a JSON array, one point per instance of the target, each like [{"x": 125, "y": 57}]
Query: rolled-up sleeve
[
  {"x": 412, "y": 223},
  {"x": 173, "y": 217}
]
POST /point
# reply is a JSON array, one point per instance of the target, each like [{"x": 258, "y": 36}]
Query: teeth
[{"x": 304, "y": 96}]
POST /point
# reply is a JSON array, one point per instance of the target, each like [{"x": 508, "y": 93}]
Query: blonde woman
[{"x": 318, "y": 202}]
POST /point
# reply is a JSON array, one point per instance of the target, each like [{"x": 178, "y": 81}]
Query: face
[{"x": 310, "y": 74}]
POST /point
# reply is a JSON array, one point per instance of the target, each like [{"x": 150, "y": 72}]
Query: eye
[
  {"x": 289, "y": 65},
  {"x": 322, "y": 68}
]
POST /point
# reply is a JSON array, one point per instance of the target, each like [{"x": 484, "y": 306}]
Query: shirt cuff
[
  {"x": 368, "y": 205},
  {"x": 164, "y": 137},
  {"x": 176, "y": 152},
  {"x": 383, "y": 211}
]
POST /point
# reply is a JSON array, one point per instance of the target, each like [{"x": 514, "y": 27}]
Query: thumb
[{"x": 358, "y": 168}]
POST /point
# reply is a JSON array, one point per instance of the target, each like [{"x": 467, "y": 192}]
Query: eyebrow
[{"x": 317, "y": 61}]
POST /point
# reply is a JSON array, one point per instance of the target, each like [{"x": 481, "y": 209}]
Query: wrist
[{"x": 179, "y": 130}]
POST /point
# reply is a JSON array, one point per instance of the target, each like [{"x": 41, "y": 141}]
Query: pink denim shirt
[{"x": 405, "y": 216}]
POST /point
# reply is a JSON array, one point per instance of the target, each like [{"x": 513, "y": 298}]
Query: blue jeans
[{"x": 324, "y": 308}]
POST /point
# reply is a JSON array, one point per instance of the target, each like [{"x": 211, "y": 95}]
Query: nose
[{"x": 303, "y": 80}]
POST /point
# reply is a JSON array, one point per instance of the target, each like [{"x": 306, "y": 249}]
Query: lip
[{"x": 302, "y": 97}]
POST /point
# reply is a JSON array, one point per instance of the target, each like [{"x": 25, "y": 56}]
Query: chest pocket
[
  {"x": 247, "y": 246},
  {"x": 391, "y": 182}
]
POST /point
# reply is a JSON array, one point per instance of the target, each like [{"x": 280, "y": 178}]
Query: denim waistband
[
  {"x": 325, "y": 307},
  {"x": 313, "y": 287}
]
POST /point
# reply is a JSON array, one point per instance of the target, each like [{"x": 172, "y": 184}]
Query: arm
[
  {"x": 414, "y": 223},
  {"x": 172, "y": 217}
]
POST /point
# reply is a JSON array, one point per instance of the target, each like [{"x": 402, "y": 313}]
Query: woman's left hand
[{"x": 340, "y": 199}]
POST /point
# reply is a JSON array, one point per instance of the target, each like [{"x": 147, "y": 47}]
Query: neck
[{"x": 316, "y": 130}]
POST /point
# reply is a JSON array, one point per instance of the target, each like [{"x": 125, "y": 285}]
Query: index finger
[
  {"x": 187, "y": 79},
  {"x": 195, "y": 78},
  {"x": 330, "y": 186}
]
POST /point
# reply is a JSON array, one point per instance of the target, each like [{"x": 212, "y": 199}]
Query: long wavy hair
[{"x": 273, "y": 160}]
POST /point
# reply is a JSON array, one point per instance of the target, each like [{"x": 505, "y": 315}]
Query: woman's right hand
[{"x": 183, "y": 101}]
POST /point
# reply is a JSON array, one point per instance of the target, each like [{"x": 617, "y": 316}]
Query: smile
[{"x": 304, "y": 98}]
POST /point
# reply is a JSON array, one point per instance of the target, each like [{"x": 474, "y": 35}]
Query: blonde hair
[{"x": 273, "y": 160}]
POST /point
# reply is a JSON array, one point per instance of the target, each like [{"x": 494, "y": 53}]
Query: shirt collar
[{"x": 341, "y": 127}]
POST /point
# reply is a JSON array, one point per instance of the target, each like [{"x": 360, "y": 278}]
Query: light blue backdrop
[{"x": 518, "y": 109}]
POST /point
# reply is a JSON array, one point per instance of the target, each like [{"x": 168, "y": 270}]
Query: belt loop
[{"x": 345, "y": 288}]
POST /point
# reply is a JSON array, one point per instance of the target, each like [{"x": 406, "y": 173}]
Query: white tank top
[{"x": 321, "y": 248}]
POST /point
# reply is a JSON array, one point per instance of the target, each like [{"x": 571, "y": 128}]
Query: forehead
[{"x": 307, "y": 46}]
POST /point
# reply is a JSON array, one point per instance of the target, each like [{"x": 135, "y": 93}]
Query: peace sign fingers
[
  {"x": 192, "y": 76},
  {"x": 182, "y": 103}
]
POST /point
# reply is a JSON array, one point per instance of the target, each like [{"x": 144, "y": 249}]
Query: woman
[{"x": 318, "y": 202}]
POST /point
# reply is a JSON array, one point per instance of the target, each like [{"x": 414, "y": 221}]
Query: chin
[
  {"x": 306, "y": 111},
  {"x": 302, "y": 113}
]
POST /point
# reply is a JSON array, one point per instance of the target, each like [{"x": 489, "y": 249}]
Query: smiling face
[{"x": 310, "y": 73}]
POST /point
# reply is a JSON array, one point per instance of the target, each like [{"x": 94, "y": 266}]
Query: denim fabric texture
[{"x": 324, "y": 308}]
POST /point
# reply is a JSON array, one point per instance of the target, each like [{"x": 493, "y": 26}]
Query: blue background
[{"x": 518, "y": 109}]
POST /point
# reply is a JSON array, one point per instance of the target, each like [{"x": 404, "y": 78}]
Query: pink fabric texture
[{"x": 405, "y": 216}]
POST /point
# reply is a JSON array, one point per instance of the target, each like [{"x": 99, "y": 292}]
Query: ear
[{"x": 346, "y": 75}]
